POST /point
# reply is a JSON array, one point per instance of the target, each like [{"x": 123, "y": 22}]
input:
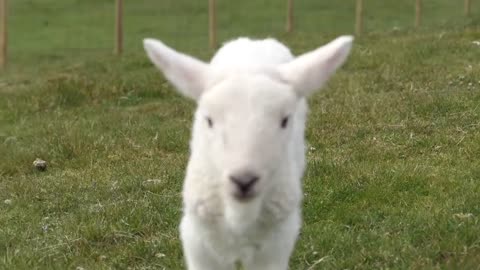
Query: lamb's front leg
[
  {"x": 273, "y": 258},
  {"x": 276, "y": 251},
  {"x": 197, "y": 255},
  {"x": 279, "y": 264}
]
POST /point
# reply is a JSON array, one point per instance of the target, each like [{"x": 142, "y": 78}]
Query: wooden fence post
[
  {"x": 290, "y": 16},
  {"x": 119, "y": 27},
  {"x": 418, "y": 13},
  {"x": 3, "y": 33},
  {"x": 212, "y": 23},
  {"x": 468, "y": 7},
  {"x": 359, "y": 18}
]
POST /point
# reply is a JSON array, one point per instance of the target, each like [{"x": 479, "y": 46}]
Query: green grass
[{"x": 393, "y": 169}]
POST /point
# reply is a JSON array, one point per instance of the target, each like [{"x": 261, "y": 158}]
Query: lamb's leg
[
  {"x": 197, "y": 256},
  {"x": 276, "y": 251},
  {"x": 276, "y": 258},
  {"x": 281, "y": 264},
  {"x": 197, "y": 260}
]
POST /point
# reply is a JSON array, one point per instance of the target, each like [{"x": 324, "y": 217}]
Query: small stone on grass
[
  {"x": 159, "y": 255},
  {"x": 40, "y": 165}
]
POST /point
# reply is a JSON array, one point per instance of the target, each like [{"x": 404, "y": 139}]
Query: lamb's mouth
[{"x": 242, "y": 196}]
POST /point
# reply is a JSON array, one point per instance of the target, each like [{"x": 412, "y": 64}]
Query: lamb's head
[{"x": 249, "y": 121}]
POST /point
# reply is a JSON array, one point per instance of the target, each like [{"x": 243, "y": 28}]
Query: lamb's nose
[{"x": 244, "y": 182}]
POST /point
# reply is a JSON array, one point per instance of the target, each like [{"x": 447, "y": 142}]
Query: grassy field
[{"x": 393, "y": 178}]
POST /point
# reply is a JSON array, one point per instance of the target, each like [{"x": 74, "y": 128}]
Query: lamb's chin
[{"x": 239, "y": 216}]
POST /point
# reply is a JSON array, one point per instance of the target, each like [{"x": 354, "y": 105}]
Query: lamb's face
[{"x": 244, "y": 124}]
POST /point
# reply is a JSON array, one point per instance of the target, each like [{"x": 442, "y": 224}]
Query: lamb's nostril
[{"x": 244, "y": 181}]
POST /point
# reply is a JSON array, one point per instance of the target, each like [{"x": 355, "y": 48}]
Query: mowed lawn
[{"x": 393, "y": 177}]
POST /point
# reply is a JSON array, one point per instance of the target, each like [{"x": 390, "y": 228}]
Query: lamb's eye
[
  {"x": 284, "y": 122},
  {"x": 209, "y": 122}
]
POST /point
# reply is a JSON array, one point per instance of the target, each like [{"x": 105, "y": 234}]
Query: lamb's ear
[
  {"x": 310, "y": 71},
  {"x": 187, "y": 74}
]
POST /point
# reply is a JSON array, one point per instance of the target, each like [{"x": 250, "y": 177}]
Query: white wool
[{"x": 249, "y": 125}]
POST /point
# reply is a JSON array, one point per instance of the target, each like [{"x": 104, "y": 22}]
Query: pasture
[{"x": 393, "y": 174}]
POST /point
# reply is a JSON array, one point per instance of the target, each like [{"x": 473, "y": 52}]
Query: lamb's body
[
  {"x": 221, "y": 231},
  {"x": 242, "y": 190}
]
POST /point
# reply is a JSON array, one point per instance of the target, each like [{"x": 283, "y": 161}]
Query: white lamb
[{"x": 242, "y": 192}]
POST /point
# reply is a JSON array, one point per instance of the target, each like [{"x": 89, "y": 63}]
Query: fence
[
  {"x": 3, "y": 33},
  {"x": 212, "y": 22}
]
